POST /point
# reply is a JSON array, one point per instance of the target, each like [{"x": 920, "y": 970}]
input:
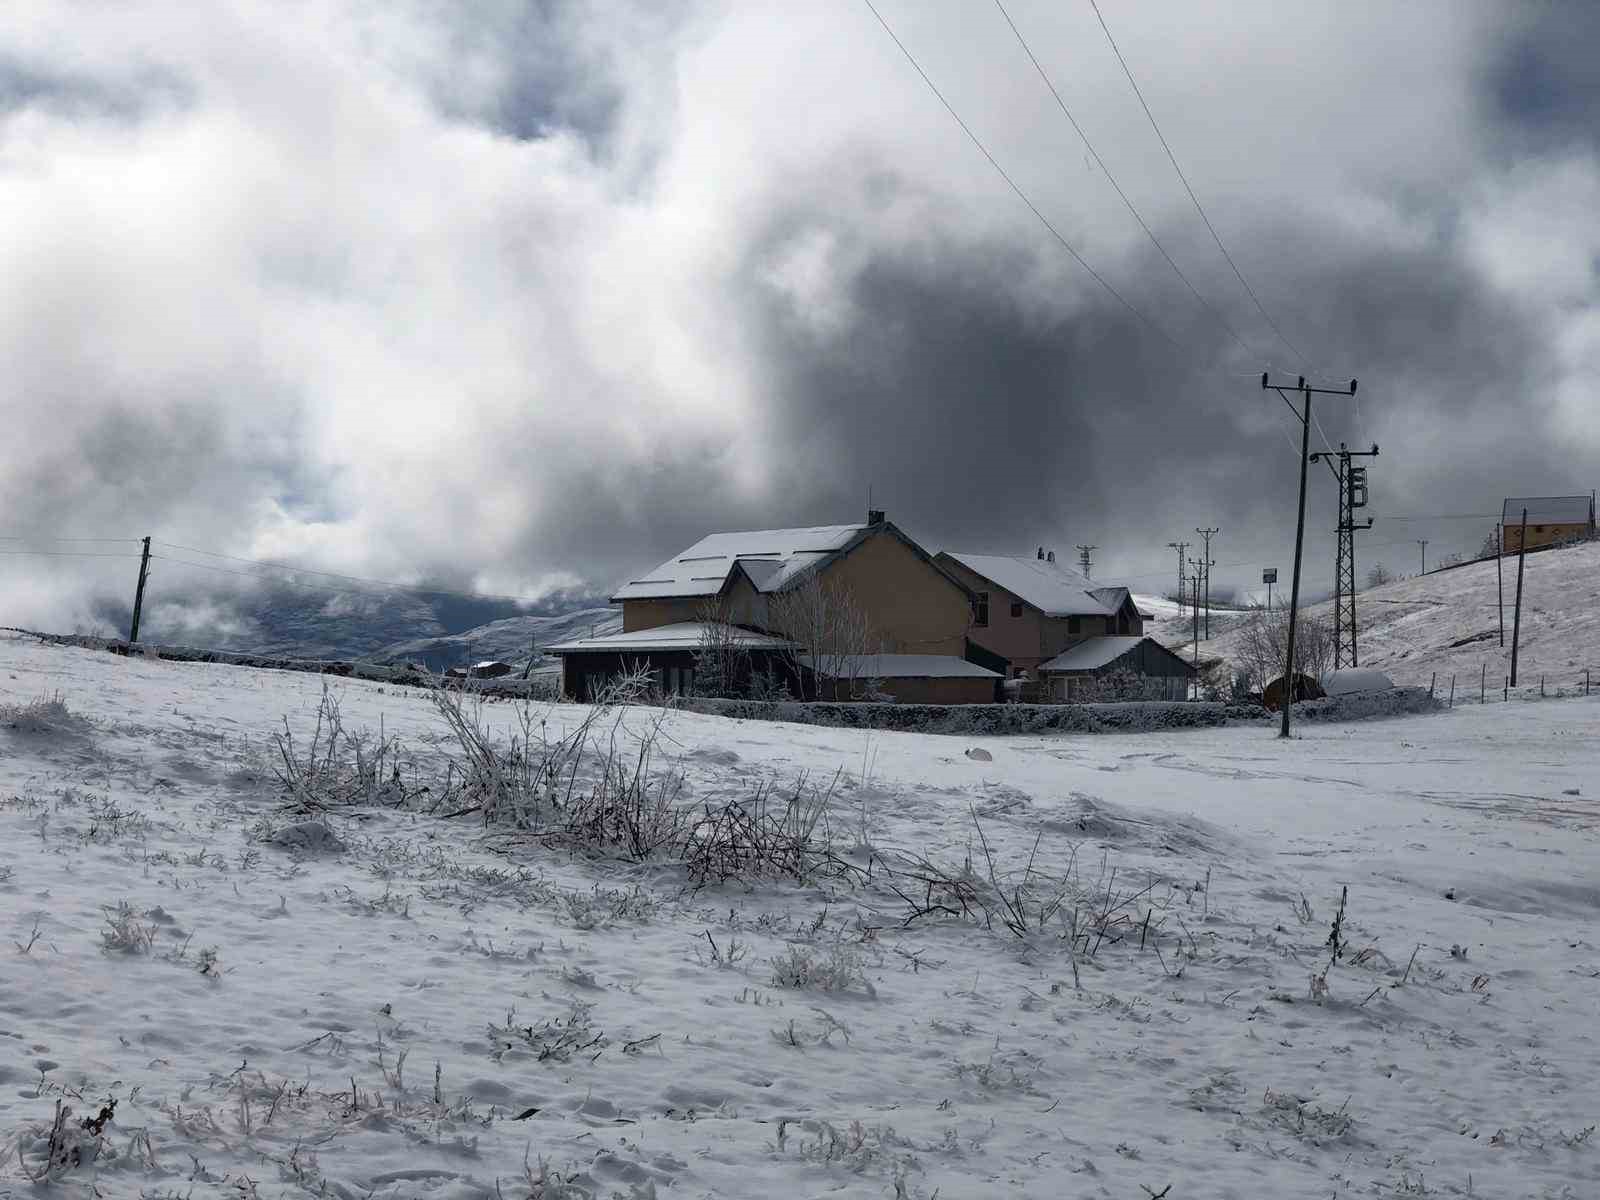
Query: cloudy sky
[{"x": 520, "y": 296}]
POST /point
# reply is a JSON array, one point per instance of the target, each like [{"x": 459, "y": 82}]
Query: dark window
[
  {"x": 980, "y": 610},
  {"x": 1074, "y": 626},
  {"x": 1016, "y": 608}
]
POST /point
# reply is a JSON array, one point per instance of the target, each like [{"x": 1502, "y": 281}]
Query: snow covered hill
[
  {"x": 211, "y": 988},
  {"x": 508, "y": 639},
  {"x": 1447, "y": 622}
]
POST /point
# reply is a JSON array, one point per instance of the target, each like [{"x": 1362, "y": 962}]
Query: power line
[
  {"x": 64, "y": 541},
  {"x": 1034, "y": 208},
  {"x": 1015, "y": 187},
  {"x": 1112, "y": 179},
  {"x": 73, "y": 553},
  {"x": 1173, "y": 158}
]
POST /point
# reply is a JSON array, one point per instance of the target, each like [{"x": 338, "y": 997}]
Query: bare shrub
[
  {"x": 767, "y": 837},
  {"x": 42, "y": 717},
  {"x": 338, "y": 768},
  {"x": 1262, "y": 647},
  {"x": 721, "y": 658},
  {"x": 836, "y": 969},
  {"x": 832, "y": 633},
  {"x": 125, "y": 932}
]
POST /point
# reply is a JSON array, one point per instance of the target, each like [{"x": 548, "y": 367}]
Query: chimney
[
  {"x": 875, "y": 516},
  {"x": 1041, "y": 553},
  {"x": 1051, "y": 557}
]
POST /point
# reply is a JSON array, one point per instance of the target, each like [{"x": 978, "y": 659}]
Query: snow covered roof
[
  {"x": 1091, "y": 654},
  {"x": 908, "y": 666},
  {"x": 1359, "y": 679},
  {"x": 771, "y": 557},
  {"x": 682, "y": 635},
  {"x": 1548, "y": 510},
  {"x": 1054, "y": 589}
]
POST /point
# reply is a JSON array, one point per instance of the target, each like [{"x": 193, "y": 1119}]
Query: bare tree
[
  {"x": 1378, "y": 576},
  {"x": 831, "y": 631},
  {"x": 1263, "y": 647},
  {"x": 1490, "y": 546},
  {"x": 721, "y": 659}
]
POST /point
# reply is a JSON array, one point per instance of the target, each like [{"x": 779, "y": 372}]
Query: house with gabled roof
[
  {"x": 1030, "y": 608},
  {"x": 916, "y": 611},
  {"x": 1552, "y": 520}
]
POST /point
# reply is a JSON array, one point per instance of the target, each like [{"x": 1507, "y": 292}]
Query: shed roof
[
  {"x": 1548, "y": 510},
  {"x": 681, "y": 635},
  {"x": 910, "y": 666},
  {"x": 1091, "y": 654},
  {"x": 1054, "y": 589}
]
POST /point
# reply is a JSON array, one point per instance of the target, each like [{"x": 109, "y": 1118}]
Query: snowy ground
[
  {"x": 247, "y": 1005},
  {"x": 1448, "y": 623}
]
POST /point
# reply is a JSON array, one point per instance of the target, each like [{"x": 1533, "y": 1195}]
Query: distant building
[
  {"x": 1552, "y": 520},
  {"x": 910, "y": 605},
  {"x": 919, "y": 678}
]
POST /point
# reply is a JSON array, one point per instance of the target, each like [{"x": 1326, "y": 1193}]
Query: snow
[
  {"x": 681, "y": 635},
  {"x": 245, "y": 1001},
  {"x": 1446, "y": 623},
  {"x": 907, "y": 666},
  {"x": 1090, "y": 654},
  {"x": 702, "y": 569},
  {"x": 1051, "y": 587},
  {"x": 1157, "y": 608},
  {"x": 1354, "y": 680}
]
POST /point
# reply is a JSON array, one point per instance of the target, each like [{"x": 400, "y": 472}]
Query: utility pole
[
  {"x": 1206, "y": 533},
  {"x": 1194, "y": 587},
  {"x": 1304, "y": 418},
  {"x": 1180, "y": 547},
  {"x": 1499, "y": 575},
  {"x": 1516, "y": 620},
  {"x": 138, "y": 594},
  {"x": 1423, "y": 542},
  {"x": 1086, "y": 559},
  {"x": 1352, "y": 482}
]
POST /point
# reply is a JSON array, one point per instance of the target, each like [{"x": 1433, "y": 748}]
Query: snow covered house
[
  {"x": 1552, "y": 520},
  {"x": 901, "y": 602},
  {"x": 1028, "y": 610},
  {"x": 1114, "y": 667},
  {"x": 589, "y": 665}
]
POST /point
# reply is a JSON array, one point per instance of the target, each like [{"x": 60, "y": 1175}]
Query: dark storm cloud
[{"x": 526, "y": 296}]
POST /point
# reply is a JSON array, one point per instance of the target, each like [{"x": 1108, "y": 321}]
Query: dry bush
[
  {"x": 767, "y": 837},
  {"x": 42, "y": 717},
  {"x": 338, "y": 768}
]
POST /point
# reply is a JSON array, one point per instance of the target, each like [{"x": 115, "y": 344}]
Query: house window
[
  {"x": 980, "y": 610},
  {"x": 1074, "y": 626},
  {"x": 1016, "y": 608}
]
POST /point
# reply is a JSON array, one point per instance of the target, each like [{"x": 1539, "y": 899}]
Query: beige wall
[
  {"x": 912, "y": 607},
  {"x": 1542, "y": 535},
  {"x": 746, "y": 606}
]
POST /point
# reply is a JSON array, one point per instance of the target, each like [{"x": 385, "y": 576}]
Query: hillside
[
  {"x": 507, "y": 639},
  {"x": 1079, "y": 966},
  {"x": 1447, "y": 622}
]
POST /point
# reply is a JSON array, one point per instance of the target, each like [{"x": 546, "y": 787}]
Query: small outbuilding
[
  {"x": 490, "y": 669},
  {"x": 1552, "y": 520},
  {"x": 1306, "y": 687},
  {"x": 1116, "y": 668}
]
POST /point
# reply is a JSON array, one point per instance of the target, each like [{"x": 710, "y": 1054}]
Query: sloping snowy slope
[{"x": 244, "y": 993}]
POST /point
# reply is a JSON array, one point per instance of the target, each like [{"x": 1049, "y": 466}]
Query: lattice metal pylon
[{"x": 1352, "y": 481}]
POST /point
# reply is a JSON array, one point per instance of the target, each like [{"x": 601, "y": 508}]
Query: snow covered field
[{"x": 247, "y": 1003}]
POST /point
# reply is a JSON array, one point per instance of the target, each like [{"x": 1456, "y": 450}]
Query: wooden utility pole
[
  {"x": 1207, "y": 564},
  {"x": 138, "y": 594},
  {"x": 1086, "y": 559},
  {"x": 1300, "y": 523},
  {"x": 1194, "y": 589},
  {"x": 1499, "y": 576},
  {"x": 1516, "y": 620},
  {"x": 1423, "y": 542}
]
